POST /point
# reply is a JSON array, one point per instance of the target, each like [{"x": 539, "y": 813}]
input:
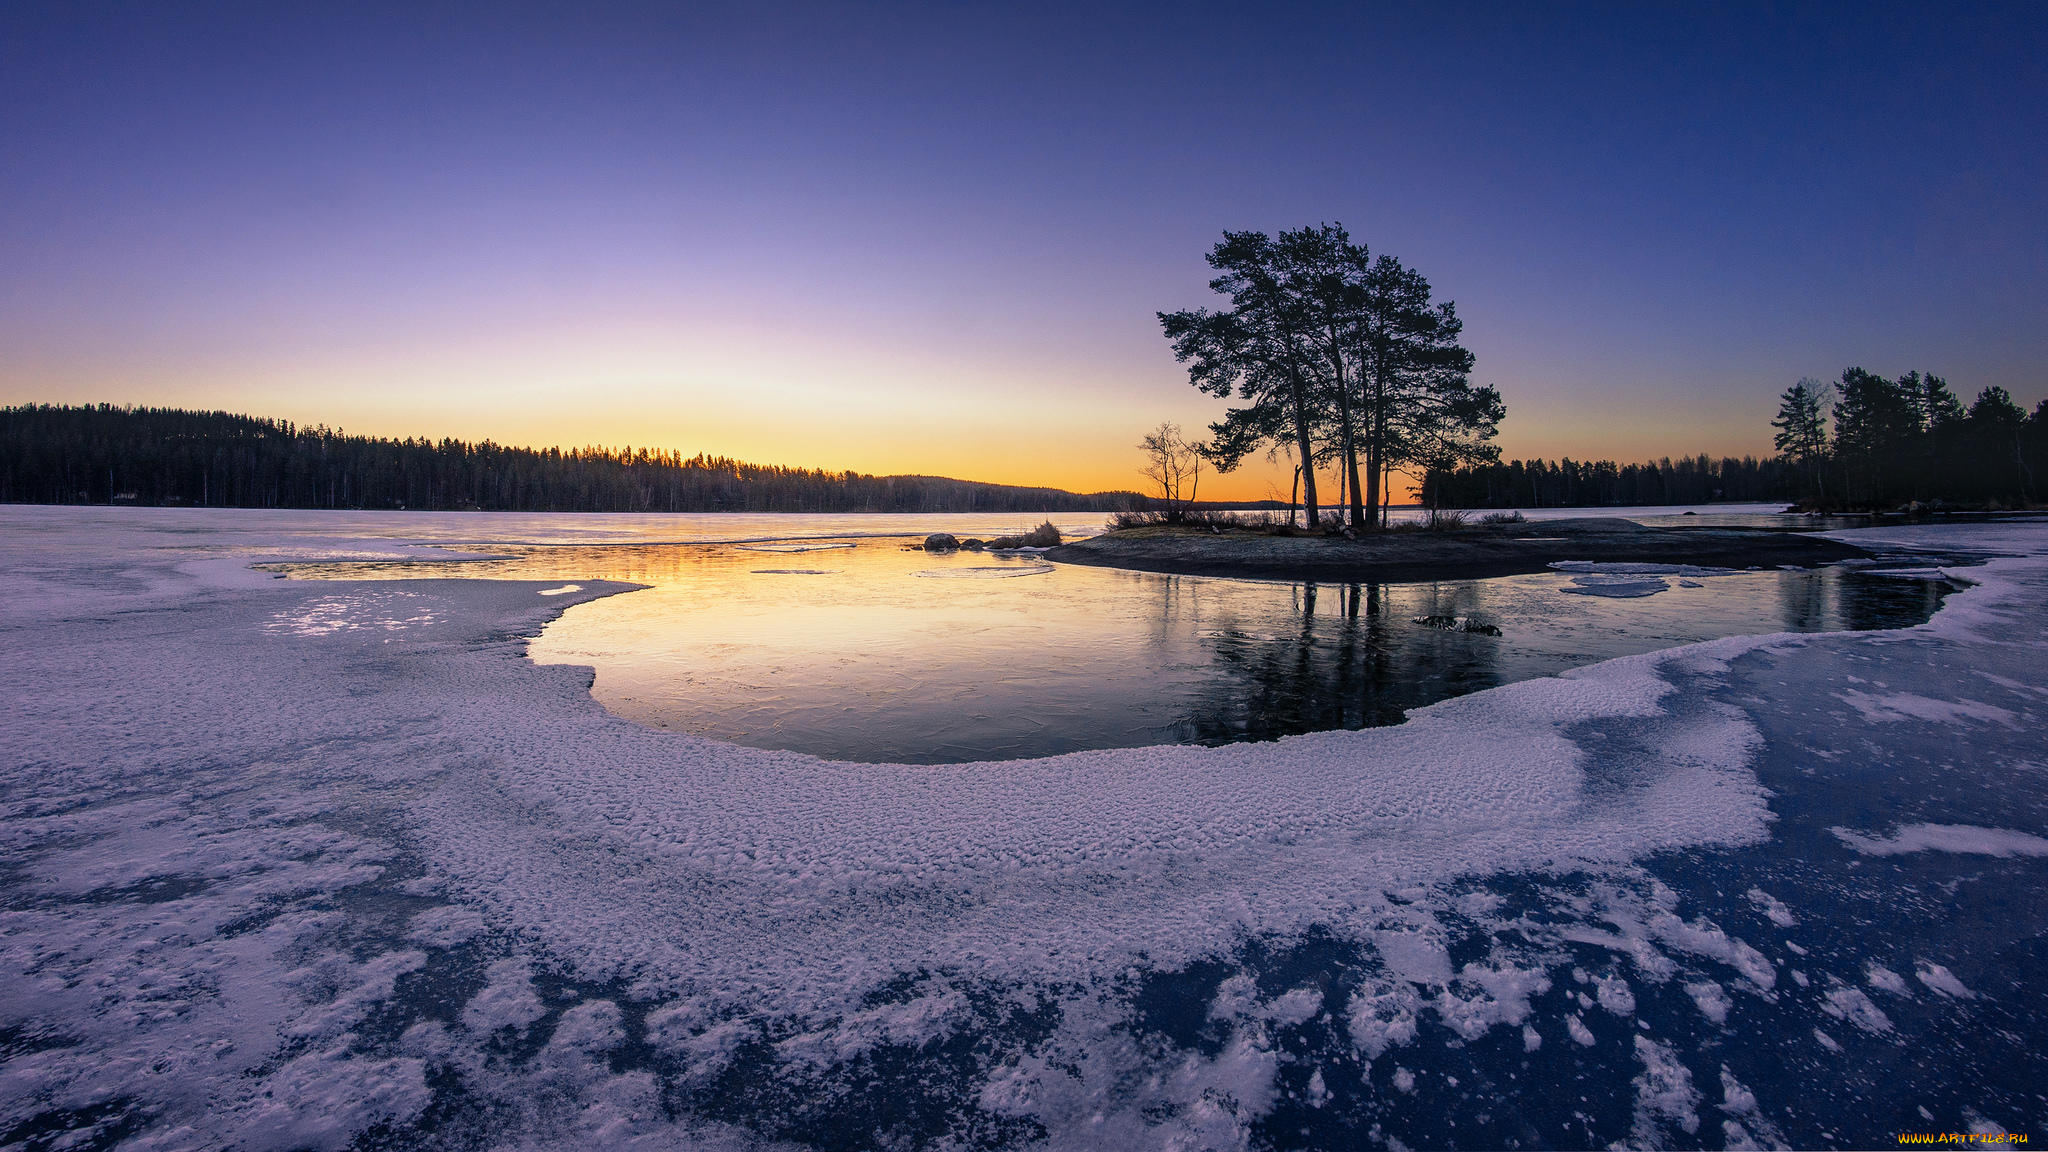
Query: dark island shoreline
[{"x": 1466, "y": 553}]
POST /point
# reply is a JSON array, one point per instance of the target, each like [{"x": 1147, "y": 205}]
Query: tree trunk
[
  {"x": 1374, "y": 453},
  {"x": 1347, "y": 456},
  {"x": 1308, "y": 482},
  {"x": 1376, "y": 439},
  {"x": 1360, "y": 503},
  {"x": 1308, "y": 463},
  {"x": 1348, "y": 419}
]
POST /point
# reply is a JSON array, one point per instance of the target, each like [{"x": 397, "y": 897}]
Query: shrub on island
[{"x": 1043, "y": 536}]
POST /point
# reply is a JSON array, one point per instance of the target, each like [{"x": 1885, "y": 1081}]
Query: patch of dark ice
[
  {"x": 1616, "y": 587},
  {"x": 984, "y": 573},
  {"x": 818, "y": 547},
  {"x": 1633, "y": 568}
]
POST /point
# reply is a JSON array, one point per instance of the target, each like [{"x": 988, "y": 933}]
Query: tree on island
[
  {"x": 1426, "y": 413},
  {"x": 1259, "y": 348},
  {"x": 1877, "y": 424},
  {"x": 1342, "y": 358},
  {"x": 1449, "y": 427},
  {"x": 1174, "y": 465},
  {"x": 1802, "y": 435}
]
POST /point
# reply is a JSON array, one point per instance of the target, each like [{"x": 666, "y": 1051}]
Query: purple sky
[{"x": 933, "y": 239}]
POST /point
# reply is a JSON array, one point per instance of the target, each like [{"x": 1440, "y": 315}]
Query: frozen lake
[
  {"x": 331, "y": 864},
  {"x": 869, "y": 649}
]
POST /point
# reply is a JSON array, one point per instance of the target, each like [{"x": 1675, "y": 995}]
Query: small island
[{"x": 1468, "y": 552}]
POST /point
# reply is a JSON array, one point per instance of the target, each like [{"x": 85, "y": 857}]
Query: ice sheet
[{"x": 292, "y": 863}]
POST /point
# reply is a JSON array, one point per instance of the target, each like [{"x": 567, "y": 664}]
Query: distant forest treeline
[
  {"x": 1869, "y": 442},
  {"x": 1862, "y": 443},
  {"x": 1572, "y": 483},
  {"x": 97, "y": 454}
]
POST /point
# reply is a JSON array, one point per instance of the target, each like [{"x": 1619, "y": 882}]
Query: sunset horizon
[{"x": 937, "y": 244}]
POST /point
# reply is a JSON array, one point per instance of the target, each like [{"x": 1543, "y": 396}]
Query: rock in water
[
  {"x": 941, "y": 542},
  {"x": 1457, "y": 624}
]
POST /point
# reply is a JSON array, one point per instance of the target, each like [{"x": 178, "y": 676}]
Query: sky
[{"x": 934, "y": 238}]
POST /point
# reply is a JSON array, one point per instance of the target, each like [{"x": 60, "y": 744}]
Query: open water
[{"x": 831, "y": 636}]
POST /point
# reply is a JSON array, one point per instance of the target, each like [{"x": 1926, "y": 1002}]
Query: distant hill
[{"x": 105, "y": 453}]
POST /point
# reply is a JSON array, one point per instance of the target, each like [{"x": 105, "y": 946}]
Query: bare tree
[{"x": 1174, "y": 464}]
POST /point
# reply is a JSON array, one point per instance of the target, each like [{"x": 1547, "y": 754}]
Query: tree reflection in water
[
  {"x": 1355, "y": 657},
  {"x": 1353, "y": 661},
  {"x": 1838, "y": 600},
  {"x": 862, "y": 658}
]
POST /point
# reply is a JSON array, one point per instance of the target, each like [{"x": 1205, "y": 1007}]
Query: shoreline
[{"x": 1470, "y": 553}]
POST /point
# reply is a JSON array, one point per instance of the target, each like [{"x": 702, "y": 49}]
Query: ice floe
[
  {"x": 1941, "y": 980},
  {"x": 1616, "y": 587},
  {"x": 1625, "y": 580},
  {"x": 1961, "y": 838}
]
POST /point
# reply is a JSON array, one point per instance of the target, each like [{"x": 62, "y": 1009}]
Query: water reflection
[
  {"x": 847, "y": 654},
  {"x": 1350, "y": 663}
]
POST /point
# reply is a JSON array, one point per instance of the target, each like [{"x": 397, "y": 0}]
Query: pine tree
[
  {"x": 1803, "y": 433},
  {"x": 1260, "y": 349}
]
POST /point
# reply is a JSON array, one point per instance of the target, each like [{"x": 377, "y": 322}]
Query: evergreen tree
[
  {"x": 1340, "y": 354},
  {"x": 1876, "y": 425},
  {"x": 1996, "y": 430},
  {"x": 1429, "y": 414},
  {"x": 1261, "y": 349},
  {"x": 1803, "y": 433}
]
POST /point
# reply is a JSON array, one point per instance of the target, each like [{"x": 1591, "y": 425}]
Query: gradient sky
[{"x": 933, "y": 238}]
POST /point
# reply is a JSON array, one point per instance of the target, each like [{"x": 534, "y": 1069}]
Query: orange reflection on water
[{"x": 880, "y": 652}]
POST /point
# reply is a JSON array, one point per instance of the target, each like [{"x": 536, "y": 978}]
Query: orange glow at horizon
[{"x": 730, "y": 386}]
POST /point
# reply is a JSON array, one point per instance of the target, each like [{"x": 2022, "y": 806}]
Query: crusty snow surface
[{"x": 322, "y": 865}]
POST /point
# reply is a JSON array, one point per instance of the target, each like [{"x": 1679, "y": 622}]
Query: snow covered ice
[{"x": 330, "y": 864}]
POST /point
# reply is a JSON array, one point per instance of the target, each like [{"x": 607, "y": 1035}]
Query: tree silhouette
[
  {"x": 1876, "y": 425},
  {"x": 1259, "y": 349},
  {"x": 1342, "y": 356},
  {"x": 1175, "y": 466},
  {"x": 1997, "y": 429},
  {"x": 1803, "y": 432},
  {"x": 1894, "y": 441},
  {"x": 97, "y": 454}
]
